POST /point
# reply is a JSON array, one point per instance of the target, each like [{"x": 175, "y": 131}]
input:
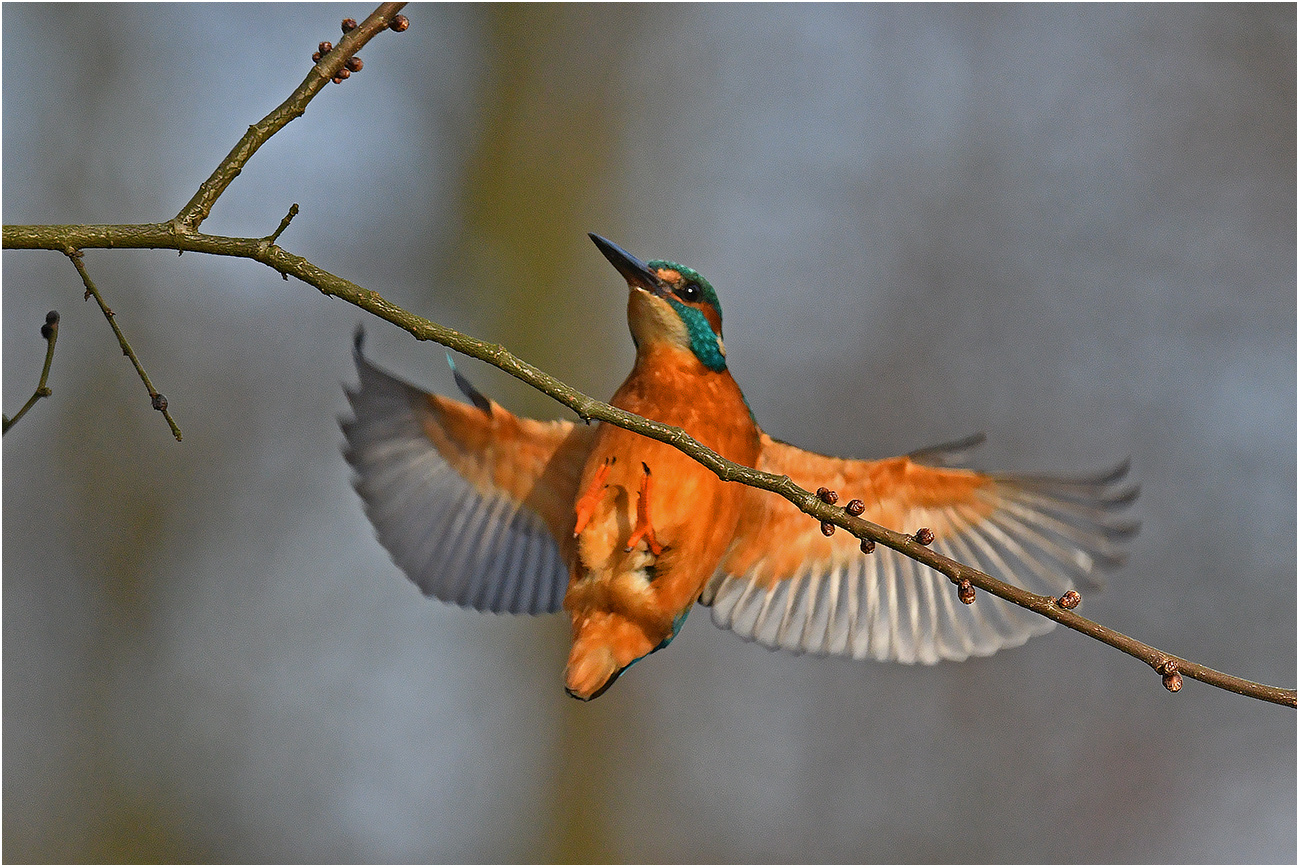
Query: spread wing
[
  {"x": 473, "y": 503},
  {"x": 785, "y": 585}
]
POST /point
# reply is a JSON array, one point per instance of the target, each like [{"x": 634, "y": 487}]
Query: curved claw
[
  {"x": 586, "y": 505},
  {"x": 644, "y": 529}
]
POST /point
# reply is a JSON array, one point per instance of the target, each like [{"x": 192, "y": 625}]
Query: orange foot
[
  {"x": 644, "y": 529},
  {"x": 586, "y": 505}
]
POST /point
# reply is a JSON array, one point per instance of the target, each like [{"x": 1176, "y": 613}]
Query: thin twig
[
  {"x": 284, "y": 224},
  {"x": 158, "y": 400},
  {"x": 200, "y": 206},
  {"x": 49, "y": 331},
  {"x": 159, "y": 235}
]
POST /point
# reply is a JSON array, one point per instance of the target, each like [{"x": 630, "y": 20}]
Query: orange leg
[
  {"x": 586, "y": 505},
  {"x": 644, "y": 528}
]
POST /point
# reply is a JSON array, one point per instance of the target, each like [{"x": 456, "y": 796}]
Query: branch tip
[
  {"x": 51, "y": 326},
  {"x": 284, "y": 224},
  {"x": 50, "y": 332}
]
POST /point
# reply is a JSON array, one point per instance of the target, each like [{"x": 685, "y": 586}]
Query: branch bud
[
  {"x": 399, "y": 23},
  {"x": 349, "y": 24},
  {"x": 855, "y": 507},
  {"x": 828, "y": 528},
  {"x": 1069, "y": 599},
  {"x": 966, "y": 591},
  {"x": 51, "y": 324},
  {"x": 924, "y": 536},
  {"x": 868, "y": 546}
]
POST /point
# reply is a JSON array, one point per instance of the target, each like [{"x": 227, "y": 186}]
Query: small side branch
[
  {"x": 158, "y": 400},
  {"x": 49, "y": 331},
  {"x": 332, "y": 65},
  {"x": 284, "y": 224}
]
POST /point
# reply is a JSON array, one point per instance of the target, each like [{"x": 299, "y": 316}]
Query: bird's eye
[{"x": 690, "y": 292}]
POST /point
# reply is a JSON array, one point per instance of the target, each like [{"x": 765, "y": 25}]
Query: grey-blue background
[{"x": 1072, "y": 228}]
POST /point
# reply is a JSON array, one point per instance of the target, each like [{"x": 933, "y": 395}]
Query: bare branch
[
  {"x": 327, "y": 69},
  {"x": 49, "y": 331},
  {"x": 158, "y": 401},
  {"x": 587, "y": 408}
]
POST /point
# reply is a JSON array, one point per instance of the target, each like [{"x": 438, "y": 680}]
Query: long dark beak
[{"x": 633, "y": 270}]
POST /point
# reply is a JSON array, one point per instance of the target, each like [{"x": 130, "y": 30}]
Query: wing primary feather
[
  {"x": 928, "y": 623},
  {"x": 466, "y": 536},
  {"x": 889, "y": 646},
  {"x": 874, "y": 619},
  {"x": 486, "y": 560},
  {"x": 828, "y": 608},
  {"x": 502, "y": 594},
  {"x": 467, "y": 388},
  {"x": 1090, "y": 484},
  {"x": 1100, "y": 515},
  {"x": 1093, "y": 544},
  {"x": 909, "y": 584},
  {"x": 529, "y": 564},
  {"x": 947, "y": 454},
  {"x": 436, "y": 554},
  {"x": 846, "y": 613},
  {"x": 531, "y": 590}
]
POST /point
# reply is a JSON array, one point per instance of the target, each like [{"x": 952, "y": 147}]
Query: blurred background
[{"x": 1072, "y": 228}]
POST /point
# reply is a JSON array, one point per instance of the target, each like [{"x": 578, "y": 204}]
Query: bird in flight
[{"x": 499, "y": 513}]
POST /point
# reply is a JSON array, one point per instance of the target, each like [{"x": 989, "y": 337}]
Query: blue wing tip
[{"x": 467, "y": 388}]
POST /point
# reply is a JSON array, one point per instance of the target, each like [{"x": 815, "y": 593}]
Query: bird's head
[{"x": 670, "y": 304}]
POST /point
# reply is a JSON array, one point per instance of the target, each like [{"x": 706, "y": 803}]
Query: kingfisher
[{"x": 499, "y": 513}]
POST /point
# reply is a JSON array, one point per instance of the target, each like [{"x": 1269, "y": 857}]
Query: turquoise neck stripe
[{"x": 704, "y": 343}]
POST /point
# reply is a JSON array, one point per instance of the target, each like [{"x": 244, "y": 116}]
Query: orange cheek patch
[{"x": 715, "y": 321}]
